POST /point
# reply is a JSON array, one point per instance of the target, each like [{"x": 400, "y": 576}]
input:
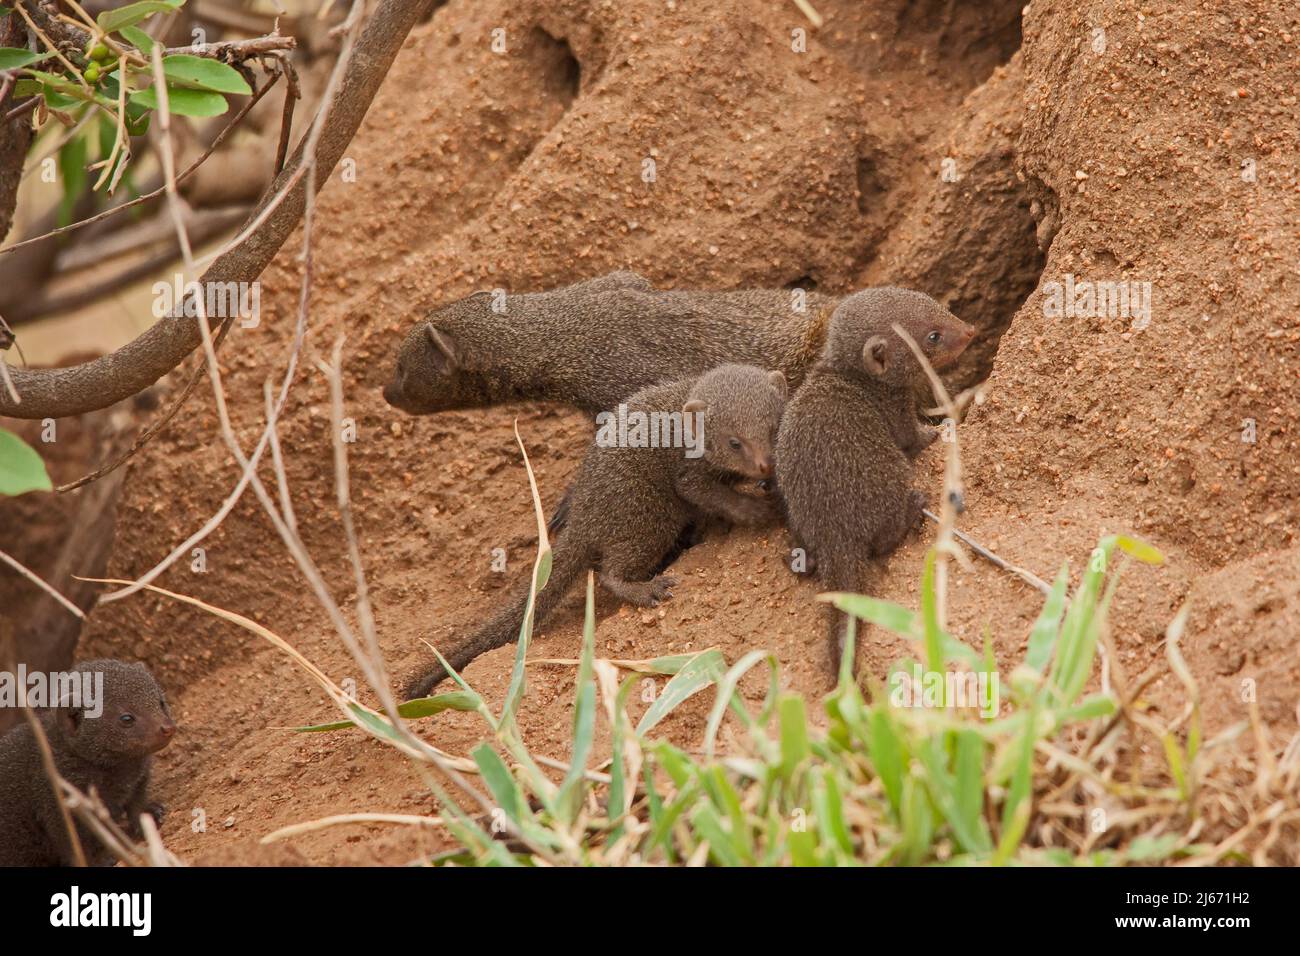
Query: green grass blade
[
  {"x": 887, "y": 754},
  {"x": 794, "y": 734},
  {"x": 703, "y": 670},
  {"x": 934, "y": 659},
  {"x": 541, "y": 573},
  {"x": 584, "y": 713},
  {"x": 892, "y": 617},
  {"x": 727, "y": 696},
  {"x": 1042, "y": 639},
  {"x": 412, "y": 710}
]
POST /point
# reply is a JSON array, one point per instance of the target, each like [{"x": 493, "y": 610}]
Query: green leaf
[
  {"x": 411, "y": 710},
  {"x": 828, "y": 804},
  {"x": 930, "y": 617},
  {"x": 139, "y": 39},
  {"x": 72, "y": 175},
  {"x": 726, "y": 695},
  {"x": 968, "y": 783},
  {"x": 54, "y": 99},
  {"x": 584, "y": 713},
  {"x": 886, "y": 614},
  {"x": 133, "y": 13},
  {"x": 705, "y": 822},
  {"x": 1094, "y": 705},
  {"x": 501, "y": 783},
  {"x": 1139, "y": 549},
  {"x": 803, "y": 848},
  {"x": 1042, "y": 639},
  {"x": 620, "y": 788},
  {"x": 724, "y": 796},
  {"x": 704, "y": 669},
  {"x": 428, "y": 706},
  {"x": 204, "y": 73},
  {"x": 794, "y": 733},
  {"x": 21, "y": 469},
  {"x": 918, "y": 822},
  {"x": 12, "y": 57},
  {"x": 182, "y": 101},
  {"x": 1019, "y": 803},
  {"x": 954, "y": 800},
  {"x": 886, "y": 751}
]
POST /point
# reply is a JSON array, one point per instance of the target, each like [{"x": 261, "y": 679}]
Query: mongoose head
[
  {"x": 134, "y": 721},
  {"x": 742, "y": 408},
  {"x": 430, "y": 374},
  {"x": 862, "y": 335}
]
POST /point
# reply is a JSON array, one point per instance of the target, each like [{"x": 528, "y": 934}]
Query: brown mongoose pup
[
  {"x": 846, "y": 439},
  {"x": 592, "y": 344},
  {"x": 630, "y": 503},
  {"x": 109, "y": 753}
]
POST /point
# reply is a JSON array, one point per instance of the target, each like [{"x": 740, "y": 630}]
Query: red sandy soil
[{"x": 523, "y": 171}]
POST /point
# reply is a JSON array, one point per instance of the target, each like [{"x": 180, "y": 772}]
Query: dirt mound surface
[{"x": 695, "y": 144}]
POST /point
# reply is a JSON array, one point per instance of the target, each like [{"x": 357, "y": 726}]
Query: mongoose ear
[
  {"x": 443, "y": 344},
  {"x": 875, "y": 354},
  {"x": 779, "y": 383},
  {"x": 695, "y": 405}
]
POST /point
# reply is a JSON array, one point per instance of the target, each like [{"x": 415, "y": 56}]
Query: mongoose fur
[
  {"x": 847, "y": 437},
  {"x": 109, "y": 754},
  {"x": 593, "y": 344},
  {"x": 629, "y": 505}
]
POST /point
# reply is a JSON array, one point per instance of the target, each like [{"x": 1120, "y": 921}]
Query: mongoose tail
[
  {"x": 570, "y": 559},
  {"x": 849, "y": 576}
]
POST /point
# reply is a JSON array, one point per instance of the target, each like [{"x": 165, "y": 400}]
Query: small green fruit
[
  {"x": 92, "y": 74},
  {"x": 99, "y": 52}
]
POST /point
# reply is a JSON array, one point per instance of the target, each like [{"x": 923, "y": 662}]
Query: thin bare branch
[{"x": 44, "y": 586}]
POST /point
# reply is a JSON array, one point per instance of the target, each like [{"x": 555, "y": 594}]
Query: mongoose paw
[
  {"x": 644, "y": 593},
  {"x": 157, "y": 811}
]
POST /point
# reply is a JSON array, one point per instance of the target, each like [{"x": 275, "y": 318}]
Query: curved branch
[{"x": 56, "y": 393}]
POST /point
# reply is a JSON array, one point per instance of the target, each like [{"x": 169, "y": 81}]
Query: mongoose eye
[
  {"x": 934, "y": 338},
  {"x": 127, "y": 719},
  {"x": 734, "y": 443}
]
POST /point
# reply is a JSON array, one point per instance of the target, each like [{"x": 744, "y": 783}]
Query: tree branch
[{"x": 56, "y": 393}]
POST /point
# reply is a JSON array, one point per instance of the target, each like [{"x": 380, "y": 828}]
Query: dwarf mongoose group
[{"x": 840, "y": 451}]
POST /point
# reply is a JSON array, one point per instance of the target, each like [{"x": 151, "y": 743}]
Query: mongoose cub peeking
[
  {"x": 109, "y": 753},
  {"x": 630, "y": 502},
  {"x": 593, "y": 344},
  {"x": 847, "y": 437}
]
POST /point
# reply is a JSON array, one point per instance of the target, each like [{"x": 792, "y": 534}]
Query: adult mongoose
[
  {"x": 592, "y": 344},
  {"x": 846, "y": 439},
  {"x": 109, "y": 753},
  {"x": 629, "y": 505}
]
